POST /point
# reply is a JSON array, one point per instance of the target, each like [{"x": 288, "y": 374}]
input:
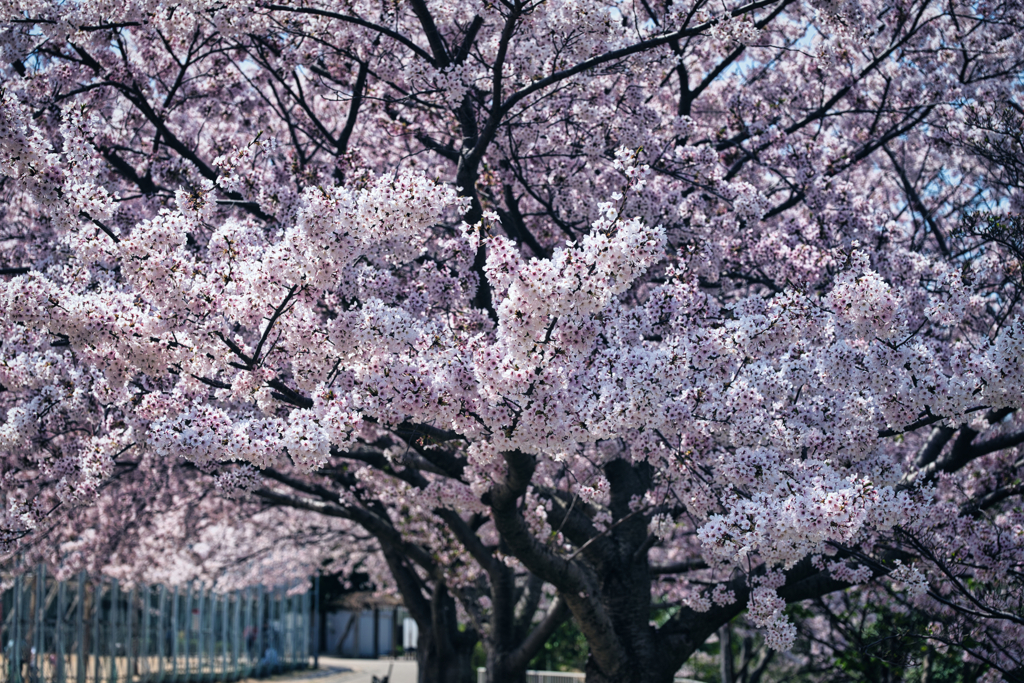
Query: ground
[{"x": 337, "y": 670}]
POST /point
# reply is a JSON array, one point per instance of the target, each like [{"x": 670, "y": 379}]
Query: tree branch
[
  {"x": 557, "y": 613},
  {"x": 416, "y": 49}
]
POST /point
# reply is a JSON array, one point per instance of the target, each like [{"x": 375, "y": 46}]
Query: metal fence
[
  {"x": 96, "y": 631},
  {"x": 540, "y": 676},
  {"x": 559, "y": 677}
]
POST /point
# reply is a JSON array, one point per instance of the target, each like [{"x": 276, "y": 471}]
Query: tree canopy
[{"x": 595, "y": 309}]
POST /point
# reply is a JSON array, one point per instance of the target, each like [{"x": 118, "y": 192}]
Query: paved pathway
[{"x": 337, "y": 670}]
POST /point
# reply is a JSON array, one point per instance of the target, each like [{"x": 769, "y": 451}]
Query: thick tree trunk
[
  {"x": 499, "y": 669},
  {"x": 647, "y": 656},
  {"x": 606, "y": 583},
  {"x": 445, "y": 652},
  {"x": 649, "y": 671},
  {"x": 624, "y": 581},
  {"x": 608, "y": 589},
  {"x": 440, "y": 660},
  {"x": 514, "y": 639}
]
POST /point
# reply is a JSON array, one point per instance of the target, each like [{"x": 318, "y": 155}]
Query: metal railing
[
  {"x": 533, "y": 676},
  {"x": 96, "y": 631}
]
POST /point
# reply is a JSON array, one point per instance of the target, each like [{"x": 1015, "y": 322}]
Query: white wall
[{"x": 359, "y": 641}]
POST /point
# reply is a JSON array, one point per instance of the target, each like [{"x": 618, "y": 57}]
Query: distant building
[{"x": 366, "y": 625}]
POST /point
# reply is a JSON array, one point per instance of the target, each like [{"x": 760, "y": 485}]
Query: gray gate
[{"x": 97, "y": 631}]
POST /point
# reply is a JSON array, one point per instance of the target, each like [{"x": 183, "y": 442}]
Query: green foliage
[
  {"x": 846, "y": 640},
  {"x": 705, "y": 664},
  {"x": 479, "y": 656},
  {"x": 886, "y": 645},
  {"x": 565, "y": 650}
]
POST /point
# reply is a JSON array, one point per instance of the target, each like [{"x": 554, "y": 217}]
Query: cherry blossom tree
[
  {"x": 170, "y": 523},
  {"x": 656, "y": 304}
]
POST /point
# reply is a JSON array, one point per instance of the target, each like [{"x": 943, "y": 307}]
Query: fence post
[
  {"x": 16, "y": 655},
  {"x": 237, "y": 614},
  {"x": 296, "y": 644},
  {"x": 80, "y": 629},
  {"x": 174, "y": 638},
  {"x": 147, "y": 615},
  {"x": 39, "y": 632},
  {"x": 212, "y": 622},
  {"x": 212, "y": 600},
  {"x": 282, "y": 629},
  {"x": 277, "y": 635},
  {"x": 129, "y": 660},
  {"x": 58, "y": 634},
  {"x": 206, "y": 626},
  {"x": 285, "y": 629},
  {"x": 204, "y": 631},
  {"x": 316, "y": 621},
  {"x": 162, "y": 649},
  {"x": 211, "y": 607},
  {"x": 268, "y": 644},
  {"x": 243, "y": 646},
  {"x": 282, "y": 625},
  {"x": 247, "y": 632},
  {"x": 300, "y": 632},
  {"x": 115, "y": 599},
  {"x": 304, "y": 632},
  {"x": 97, "y": 599},
  {"x": 200, "y": 635},
  {"x": 225, "y": 604},
  {"x": 187, "y": 643},
  {"x": 288, "y": 646},
  {"x": 259, "y": 630},
  {"x": 201, "y": 648}
]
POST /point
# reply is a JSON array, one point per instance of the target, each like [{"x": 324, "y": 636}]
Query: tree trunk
[
  {"x": 624, "y": 585},
  {"x": 725, "y": 640},
  {"x": 440, "y": 660},
  {"x": 649, "y": 671},
  {"x": 499, "y": 670}
]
